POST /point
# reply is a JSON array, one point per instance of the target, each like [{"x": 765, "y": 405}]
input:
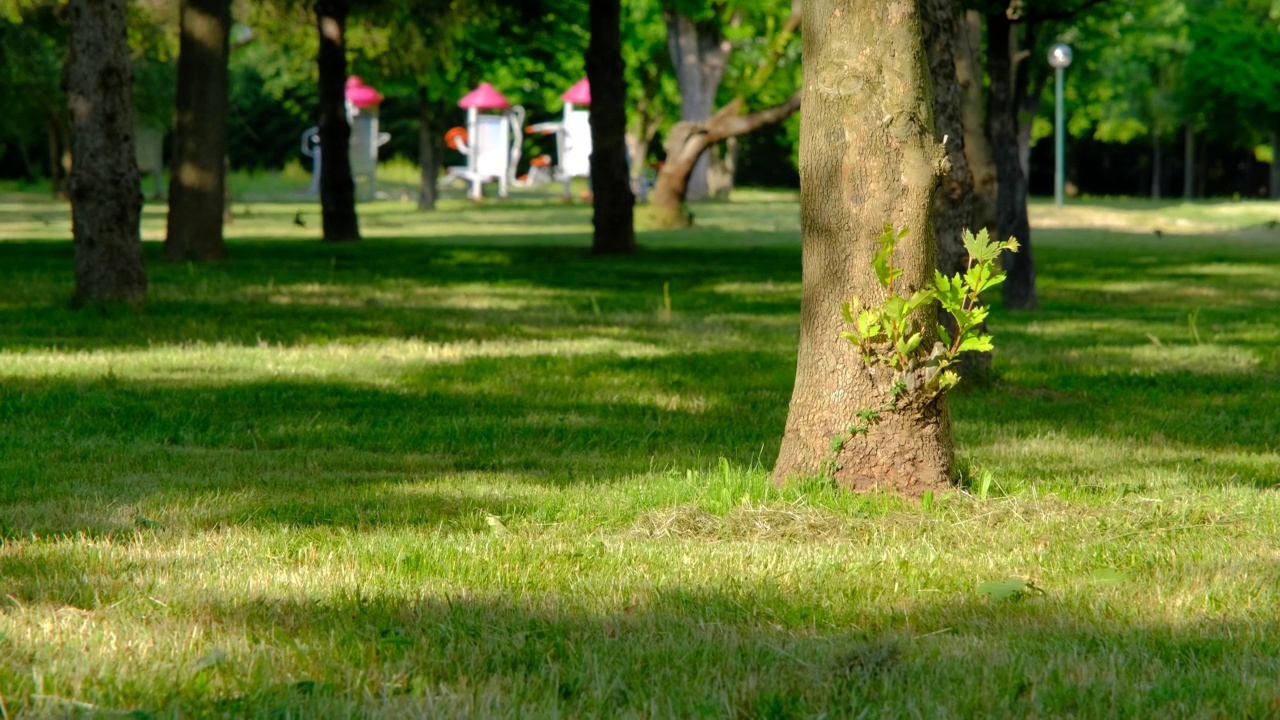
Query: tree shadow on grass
[
  {"x": 296, "y": 293},
  {"x": 671, "y": 651},
  {"x": 342, "y": 452}
]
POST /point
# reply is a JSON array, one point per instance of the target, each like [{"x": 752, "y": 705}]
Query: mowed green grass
[{"x": 463, "y": 469}]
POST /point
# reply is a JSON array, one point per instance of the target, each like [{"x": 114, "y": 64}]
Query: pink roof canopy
[
  {"x": 579, "y": 94},
  {"x": 361, "y": 95},
  {"x": 485, "y": 97}
]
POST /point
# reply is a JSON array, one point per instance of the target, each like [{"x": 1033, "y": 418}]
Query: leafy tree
[
  {"x": 688, "y": 141},
  {"x": 653, "y": 96},
  {"x": 1124, "y": 82},
  {"x": 702, "y": 34},
  {"x": 31, "y": 48},
  {"x": 1232, "y": 74}
]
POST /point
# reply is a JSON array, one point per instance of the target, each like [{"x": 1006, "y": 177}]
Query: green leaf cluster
[{"x": 892, "y": 333}]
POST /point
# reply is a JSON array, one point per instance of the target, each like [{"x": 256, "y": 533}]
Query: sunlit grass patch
[{"x": 464, "y": 468}]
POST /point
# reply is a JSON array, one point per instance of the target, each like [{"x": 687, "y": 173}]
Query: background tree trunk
[
  {"x": 724, "y": 163},
  {"x": 687, "y": 141},
  {"x": 613, "y": 208},
  {"x": 197, "y": 183},
  {"x": 1274, "y": 190},
  {"x": 1011, "y": 195},
  {"x": 953, "y": 201},
  {"x": 106, "y": 198},
  {"x": 699, "y": 55},
  {"x": 868, "y": 157},
  {"x": 430, "y": 153},
  {"x": 1189, "y": 163},
  {"x": 977, "y": 149},
  {"x": 1157, "y": 167},
  {"x": 337, "y": 188}
]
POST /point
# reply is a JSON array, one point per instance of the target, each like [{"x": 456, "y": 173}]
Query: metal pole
[{"x": 1059, "y": 142}]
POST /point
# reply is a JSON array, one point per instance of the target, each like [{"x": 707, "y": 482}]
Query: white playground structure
[
  {"x": 491, "y": 142},
  {"x": 573, "y": 136},
  {"x": 362, "y": 115}
]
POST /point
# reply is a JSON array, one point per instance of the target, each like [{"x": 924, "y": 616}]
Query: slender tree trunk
[
  {"x": 430, "y": 152},
  {"x": 337, "y": 188},
  {"x": 1157, "y": 166},
  {"x": 1011, "y": 196},
  {"x": 197, "y": 184},
  {"x": 613, "y": 208},
  {"x": 106, "y": 198},
  {"x": 868, "y": 157},
  {"x": 699, "y": 55},
  {"x": 953, "y": 201},
  {"x": 686, "y": 141},
  {"x": 977, "y": 149},
  {"x": 1189, "y": 163},
  {"x": 1274, "y": 189}
]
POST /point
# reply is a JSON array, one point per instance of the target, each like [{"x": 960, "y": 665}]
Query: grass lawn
[{"x": 463, "y": 469}]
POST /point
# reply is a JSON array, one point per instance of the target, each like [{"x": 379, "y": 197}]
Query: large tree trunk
[
  {"x": 337, "y": 188},
  {"x": 1011, "y": 196},
  {"x": 613, "y": 207},
  {"x": 686, "y": 141},
  {"x": 867, "y": 157},
  {"x": 977, "y": 149},
  {"x": 430, "y": 152},
  {"x": 1189, "y": 164},
  {"x": 197, "y": 184},
  {"x": 953, "y": 201},
  {"x": 106, "y": 198},
  {"x": 699, "y": 55}
]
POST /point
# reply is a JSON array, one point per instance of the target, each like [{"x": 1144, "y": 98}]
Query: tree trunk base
[
  {"x": 667, "y": 218},
  {"x": 906, "y": 453}
]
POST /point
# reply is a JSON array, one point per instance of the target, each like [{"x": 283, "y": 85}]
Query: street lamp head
[{"x": 1060, "y": 55}]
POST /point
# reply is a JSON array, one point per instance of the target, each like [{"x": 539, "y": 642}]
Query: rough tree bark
[
  {"x": 106, "y": 198},
  {"x": 1011, "y": 195},
  {"x": 613, "y": 207},
  {"x": 953, "y": 201},
  {"x": 430, "y": 152},
  {"x": 337, "y": 188},
  {"x": 197, "y": 184},
  {"x": 867, "y": 157},
  {"x": 686, "y": 142},
  {"x": 977, "y": 149},
  {"x": 699, "y": 55}
]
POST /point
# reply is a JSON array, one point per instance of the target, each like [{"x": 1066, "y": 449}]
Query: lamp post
[{"x": 1059, "y": 58}]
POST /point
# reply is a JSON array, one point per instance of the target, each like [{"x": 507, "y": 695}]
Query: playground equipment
[
  {"x": 362, "y": 116},
  {"x": 490, "y": 141},
  {"x": 573, "y": 137},
  {"x": 149, "y": 149}
]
